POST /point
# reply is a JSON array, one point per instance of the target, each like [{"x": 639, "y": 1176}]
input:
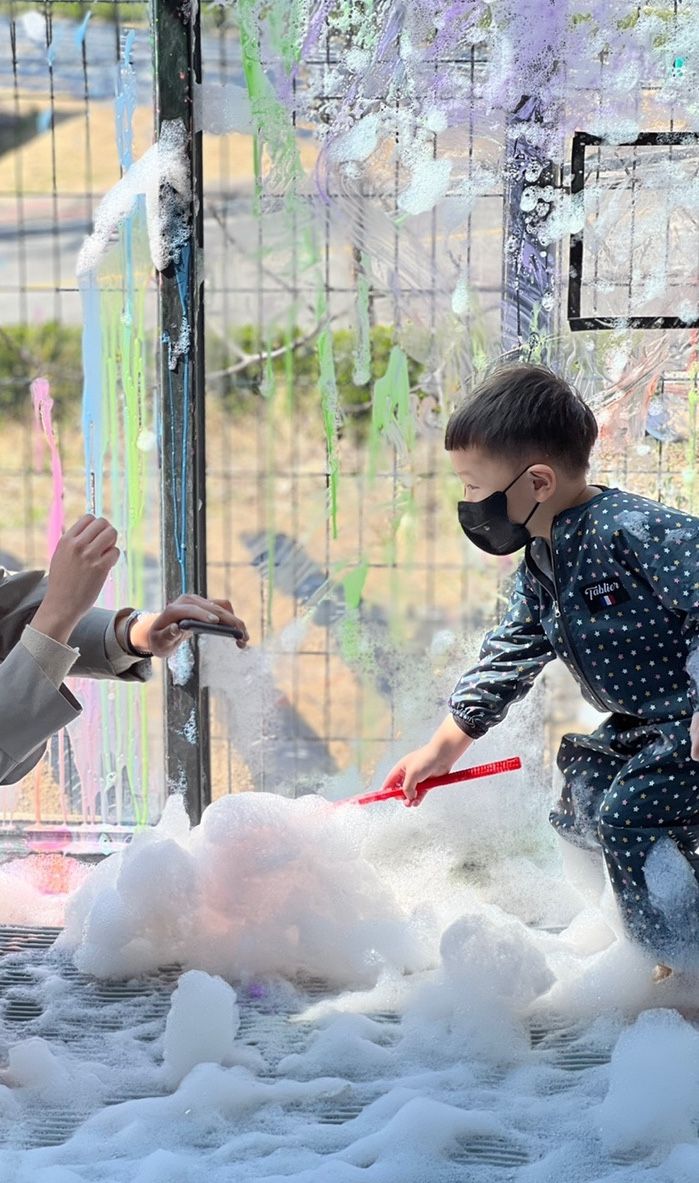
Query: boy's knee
[{"x": 610, "y": 824}]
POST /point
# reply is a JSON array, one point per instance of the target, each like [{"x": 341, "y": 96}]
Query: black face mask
[{"x": 486, "y": 524}]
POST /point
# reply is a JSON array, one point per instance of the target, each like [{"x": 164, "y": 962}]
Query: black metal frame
[
  {"x": 526, "y": 323},
  {"x": 578, "y": 322},
  {"x": 177, "y": 49}
]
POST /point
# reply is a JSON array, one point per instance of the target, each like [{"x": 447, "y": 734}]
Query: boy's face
[{"x": 482, "y": 474}]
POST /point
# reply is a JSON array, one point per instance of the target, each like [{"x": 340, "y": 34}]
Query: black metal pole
[
  {"x": 529, "y": 265},
  {"x": 177, "y": 52}
]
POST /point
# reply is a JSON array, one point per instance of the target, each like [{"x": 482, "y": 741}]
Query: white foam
[
  {"x": 222, "y": 108},
  {"x": 163, "y": 169},
  {"x": 201, "y": 1026},
  {"x": 263, "y": 885},
  {"x": 653, "y": 1097},
  {"x": 358, "y": 143},
  {"x": 181, "y": 664},
  {"x": 428, "y": 184},
  {"x": 425, "y": 914},
  {"x": 636, "y": 522}
]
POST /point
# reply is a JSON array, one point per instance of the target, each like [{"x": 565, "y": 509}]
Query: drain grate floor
[
  {"x": 496, "y": 1152},
  {"x": 567, "y": 1044},
  {"x": 19, "y": 938},
  {"x": 86, "y": 1018}
]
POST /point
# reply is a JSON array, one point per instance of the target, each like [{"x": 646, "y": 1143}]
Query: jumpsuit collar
[{"x": 576, "y": 510}]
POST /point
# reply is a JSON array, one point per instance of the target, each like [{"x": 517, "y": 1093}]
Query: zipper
[{"x": 605, "y": 707}]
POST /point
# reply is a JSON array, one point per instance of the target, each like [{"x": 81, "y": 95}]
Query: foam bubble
[
  {"x": 201, "y": 1026},
  {"x": 653, "y": 1097},
  {"x": 161, "y": 176},
  {"x": 222, "y": 108}
]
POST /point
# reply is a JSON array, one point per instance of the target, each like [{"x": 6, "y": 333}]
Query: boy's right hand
[
  {"x": 79, "y": 568},
  {"x": 436, "y": 758}
]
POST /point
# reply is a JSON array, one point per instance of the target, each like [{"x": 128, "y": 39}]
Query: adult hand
[
  {"x": 161, "y": 634},
  {"x": 79, "y": 568},
  {"x": 694, "y": 736}
]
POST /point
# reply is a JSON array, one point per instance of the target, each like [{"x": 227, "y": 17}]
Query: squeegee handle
[{"x": 451, "y": 778}]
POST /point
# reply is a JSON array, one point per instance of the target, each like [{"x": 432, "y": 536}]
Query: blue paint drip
[
  {"x": 178, "y": 352},
  {"x": 81, "y": 31},
  {"x": 52, "y": 49},
  {"x": 92, "y": 413},
  {"x": 125, "y": 102},
  {"x": 124, "y": 108}
]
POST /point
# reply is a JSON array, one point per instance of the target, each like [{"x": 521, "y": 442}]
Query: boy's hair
[{"x": 521, "y": 409}]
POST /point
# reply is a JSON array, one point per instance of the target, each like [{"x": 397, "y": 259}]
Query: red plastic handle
[{"x": 434, "y": 782}]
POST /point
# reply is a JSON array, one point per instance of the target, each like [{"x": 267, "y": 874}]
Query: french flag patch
[{"x": 604, "y": 593}]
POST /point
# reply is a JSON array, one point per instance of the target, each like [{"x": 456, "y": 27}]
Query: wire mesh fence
[
  {"x": 76, "y": 109},
  {"x": 356, "y": 282}
]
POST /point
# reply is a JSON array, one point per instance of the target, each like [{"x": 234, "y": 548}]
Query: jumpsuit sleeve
[
  {"x": 663, "y": 550},
  {"x": 511, "y": 657}
]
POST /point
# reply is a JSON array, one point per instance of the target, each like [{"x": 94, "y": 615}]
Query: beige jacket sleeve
[
  {"x": 20, "y": 595},
  {"x": 32, "y": 708}
]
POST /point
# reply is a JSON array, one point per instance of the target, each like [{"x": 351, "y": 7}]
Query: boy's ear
[{"x": 544, "y": 481}]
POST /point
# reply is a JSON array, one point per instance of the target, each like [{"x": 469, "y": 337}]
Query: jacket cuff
[
  {"x": 98, "y": 657},
  {"x": 36, "y": 710},
  {"x": 118, "y": 657},
  {"x": 468, "y": 725},
  {"x": 55, "y": 659}
]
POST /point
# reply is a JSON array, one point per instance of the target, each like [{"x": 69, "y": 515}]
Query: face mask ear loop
[
  {"x": 536, "y": 503},
  {"x": 531, "y": 515},
  {"x": 514, "y": 482}
]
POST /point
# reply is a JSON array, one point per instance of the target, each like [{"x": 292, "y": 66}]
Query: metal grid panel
[
  {"x": 640, "y": 224},
  {"x": 339, "y": 661},
  {"x": 328, "y": 695},
  {"x": 62, "y": 69},
  {"x": 316, "y": 704}
]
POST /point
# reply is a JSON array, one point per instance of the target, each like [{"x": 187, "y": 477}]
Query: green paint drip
[
  {"x": 391, "y": 415},
  {"x": 351, "y": 647},
  {"x": 328, "y": 401},
  {"x": 362, "y": 354},
  {"x": 272, "y": 121},
  {"x": 124, "y": 720},
  {"x": 403, "y": 530},
  {"x": 287, "y": 21}
]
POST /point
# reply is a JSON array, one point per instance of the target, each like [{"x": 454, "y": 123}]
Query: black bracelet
[{"x": 133, "y": 649}]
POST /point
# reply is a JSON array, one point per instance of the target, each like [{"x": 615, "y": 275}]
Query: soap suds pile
[{"x": 436, "y": 931}]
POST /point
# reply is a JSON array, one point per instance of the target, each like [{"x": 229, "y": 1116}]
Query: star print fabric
[
  {"x": 622, "y": 612},
  {"x": 620, "y": 607},
  {"x": 625, "y": 788}
]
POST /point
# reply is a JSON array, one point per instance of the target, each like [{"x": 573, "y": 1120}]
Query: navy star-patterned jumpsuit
[{"x": 620, "y": 606}]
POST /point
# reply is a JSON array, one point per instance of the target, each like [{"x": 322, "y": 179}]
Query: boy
[
  {"x": 610, "y": 584},
  {"x": 50, "y": 628}
]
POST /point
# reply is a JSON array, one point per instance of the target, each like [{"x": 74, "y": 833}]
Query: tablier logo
[{"x": 606, "y": 593}]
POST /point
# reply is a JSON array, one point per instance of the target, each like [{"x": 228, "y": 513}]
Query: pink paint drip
[
  {"x": 43, "y": 417},
  {"x": 86, "y": 733},
  {"x": 87, "y": 747}
]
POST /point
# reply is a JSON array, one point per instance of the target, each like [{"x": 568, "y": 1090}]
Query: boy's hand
[
  {"x": 161, "y": 635},
  {"x": 436, "y": 758},
  {"x": 694, "y": 736},
  {"x": 79, "y": 568}
]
